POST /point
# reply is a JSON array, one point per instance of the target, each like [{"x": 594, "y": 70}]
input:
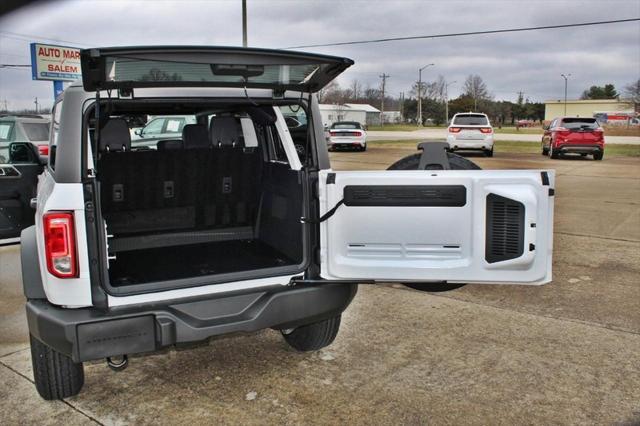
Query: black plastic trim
[
  {"x": 405, "y": 195},
  {"x": 31, "y": 278},
  {"x": 89, "y": 333},
  {"x": 504, "y": 229},
  {"x": 545, "y": 178}
]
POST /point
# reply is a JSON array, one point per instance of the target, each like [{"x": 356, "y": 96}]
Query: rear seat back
[
  {"x": 195, "y": 136},
  {"x": 204, "y": 185}
]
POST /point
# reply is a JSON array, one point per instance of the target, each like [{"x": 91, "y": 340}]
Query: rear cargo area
[{"x": 208, "y": 205}]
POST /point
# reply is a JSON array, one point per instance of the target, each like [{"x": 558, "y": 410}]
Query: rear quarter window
[
  {"x": 470, "y": 120},
  {"x": 36, "y": 131}
]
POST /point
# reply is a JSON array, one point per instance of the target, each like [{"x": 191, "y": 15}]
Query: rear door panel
[{"x": 458, "y": 226}]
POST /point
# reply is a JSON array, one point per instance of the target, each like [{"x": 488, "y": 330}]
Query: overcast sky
[{"x": 527, "y": 61}]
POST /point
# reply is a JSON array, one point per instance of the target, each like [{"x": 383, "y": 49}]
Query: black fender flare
[{"x": 31, "y": 277}]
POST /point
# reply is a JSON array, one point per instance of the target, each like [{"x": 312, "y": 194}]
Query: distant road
[{"x": 441, "y": 134}]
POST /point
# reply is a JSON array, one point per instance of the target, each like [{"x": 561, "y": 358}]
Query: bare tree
[
  {"x": 632, "y": 90},
  {"x": 475, "y": 88},
  {"x": 328, "y": 89},
  {"x": 355, "y": 88}
]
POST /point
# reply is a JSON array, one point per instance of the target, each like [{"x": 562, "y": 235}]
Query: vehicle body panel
[{"x": 386, "y": 239}]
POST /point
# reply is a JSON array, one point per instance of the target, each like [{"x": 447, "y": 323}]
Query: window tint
[
  {"x": 154, "y": 127},
  {"x": 346, "y": 126},
  {"x": 471, "y": 120},
  {"x": 36, "y": 131},
  {"x": 294, "y": 116},
  {"x": 55, "y": 129},
  {"x": 580, "y": 123}
]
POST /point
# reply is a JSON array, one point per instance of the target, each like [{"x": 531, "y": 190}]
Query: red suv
[{"x": 573, "y": 135}]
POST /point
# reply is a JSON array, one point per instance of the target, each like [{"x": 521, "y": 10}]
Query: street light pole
[
  {"x": 446, "y": 102},
  {"x": 244, "y": 23},
  {"x": 566, "y": 78},
  {"x": 420, "y": 94}
]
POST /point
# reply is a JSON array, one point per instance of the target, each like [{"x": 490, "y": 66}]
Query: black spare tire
[{"x": 456, "y": 162}]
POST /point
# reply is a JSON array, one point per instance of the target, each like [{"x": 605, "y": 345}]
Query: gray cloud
[{"x": 528, "y": 61}]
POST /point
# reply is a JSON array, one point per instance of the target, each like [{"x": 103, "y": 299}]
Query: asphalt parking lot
[{"x": 564, "y": 353}]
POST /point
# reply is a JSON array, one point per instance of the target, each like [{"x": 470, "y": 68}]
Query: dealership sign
[{"x": 50, "y": 62}]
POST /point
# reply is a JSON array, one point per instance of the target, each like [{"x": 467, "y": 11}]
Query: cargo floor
[{"x": 170, "y": 263}]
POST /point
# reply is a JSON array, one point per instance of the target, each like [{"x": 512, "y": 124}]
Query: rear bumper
[
  {"x": 581, "y": 149},
  {"x": 475, "y": 144},
  {"x": 88, "y": 333}
]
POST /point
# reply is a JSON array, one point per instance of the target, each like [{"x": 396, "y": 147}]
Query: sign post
[{"x": 55, "y": 63}]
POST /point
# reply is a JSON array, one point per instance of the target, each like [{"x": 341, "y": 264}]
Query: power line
[
  {"x": 507, "y": 30},
  {"x": 31, "y": 37}
]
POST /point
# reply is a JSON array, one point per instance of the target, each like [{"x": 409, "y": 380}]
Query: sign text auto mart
[{"x": 50, "y": 62}]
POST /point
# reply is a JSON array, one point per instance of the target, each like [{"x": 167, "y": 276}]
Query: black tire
[
  {"x": 56, "y": 376},
  {"x": 545, "y": 151},
  {"x": 411, "y": 162},
  {"x": 312, "y": 337},
  {"x": 364, "y": 148},
  {"x": 554, "y": 154},
  {"x": 598, "y": 155},
  {"x": 456, "y": 162},
  {"x": 489, "y": 153}
]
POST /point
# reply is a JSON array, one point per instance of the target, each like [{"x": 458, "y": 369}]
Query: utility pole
[
  {"x": 446, "y": 102},
  {"x": 384, "y": 82},
  {"x": 36, "y": 102},
  {"x": 401, "y": 107},
  {"x": 420, "y": 94},
  {"x": 566, "y": 78},
  {"x": 244, "y": 23}
]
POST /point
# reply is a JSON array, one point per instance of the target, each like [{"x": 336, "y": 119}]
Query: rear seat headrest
[
  {"x": 115, "y": 136},
  {"x": 223, "y": 131},
  {"x": 195, "y": 136},
  {"x": 169, "y": 144}
]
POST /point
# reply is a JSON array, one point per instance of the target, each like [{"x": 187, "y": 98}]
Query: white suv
[
  {"x": 240, "y": 224},
  {"x": 470, "y": 131}
]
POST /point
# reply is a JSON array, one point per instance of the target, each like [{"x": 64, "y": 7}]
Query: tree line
[{"x": 475, "y": 96}]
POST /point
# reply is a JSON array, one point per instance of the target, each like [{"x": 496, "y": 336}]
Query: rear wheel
[
  {"x": 312, "y": 337},
  {"x": 489, "y": 153},
  {"x": 412, "y": 162},
  {"x": 56, "y": 376},
  {"x": 553, "y": 153},
  {"x": 545, "y": 151},
  {"x": 598, "y": 155}
]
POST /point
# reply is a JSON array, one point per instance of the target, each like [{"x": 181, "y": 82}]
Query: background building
[
  {"x": 606, "y": 110},
  {"x": 364, "y": 114}
]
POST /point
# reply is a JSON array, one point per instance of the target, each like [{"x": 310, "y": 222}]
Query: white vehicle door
[{"x": 458, "y": 226}]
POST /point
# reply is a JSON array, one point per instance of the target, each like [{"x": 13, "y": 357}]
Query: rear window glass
[
  {"x": 580, "y": 123},
  {"x": 346, "y": 126},
  {"x": 36, "y": 131},
  {"x": 128, "y": 69},
  {"x": 471, "y": 120}
]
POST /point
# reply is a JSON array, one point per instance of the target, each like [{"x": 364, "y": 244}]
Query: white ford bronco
[{"x": 239, "y": 224}]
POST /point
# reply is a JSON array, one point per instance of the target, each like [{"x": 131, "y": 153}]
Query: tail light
[
  {"x": 43, "y": 149},
  {"x": 60, "y": 244},
  {"x": 486, "y": 129},
  {"x": 562, "y": 131},
  {"x": 357, "y": 134},
  {"x": 454, "y": 129}
]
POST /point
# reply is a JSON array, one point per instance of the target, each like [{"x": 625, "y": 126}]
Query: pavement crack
[
  {"x": 627, "y": 240},
  {"x": 68, "y": 404},
  {"x": 14, "y": 352}
]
